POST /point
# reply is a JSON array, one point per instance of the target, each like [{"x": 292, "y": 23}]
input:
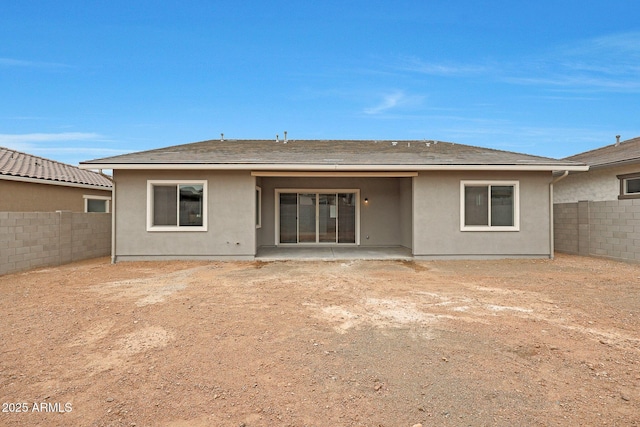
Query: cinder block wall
[
  {"x": 91, "y": 235},
  {"x": 609, "y": 229},
  {"x": 39, "y": 239},
  {"x": 565, "y": 227}
]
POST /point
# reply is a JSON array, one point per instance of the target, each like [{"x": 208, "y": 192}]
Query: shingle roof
[
  {"x": 260, "y": 153},
  {"x": 17, "y": 164},
  {"x": 611, "y": 155}
]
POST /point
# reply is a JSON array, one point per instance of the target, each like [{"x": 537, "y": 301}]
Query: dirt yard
[{"x": 357, "y": 343}]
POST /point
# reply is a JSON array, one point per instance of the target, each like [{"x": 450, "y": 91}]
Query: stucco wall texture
[
  {"x": 436, "y": 218},
  {"x": 421, "y": 213},
  {"x": 20, "y": 196},
  {"x": 596, "y": 185},
  {"x": 39, "y": 239},
  {"x": 231, "y": 231},
  {"x": 607, "y": 228}
]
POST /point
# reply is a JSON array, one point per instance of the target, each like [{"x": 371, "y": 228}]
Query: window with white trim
[
  {"x": 629, "y": 186},
  {"x": 176, "y": 205},
  {"x": 489, "y": 206},
  {"x": 98, "y": 204},
  {"x": 258, "y": 207}
]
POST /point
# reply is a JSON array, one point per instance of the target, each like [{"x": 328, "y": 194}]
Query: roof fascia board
[
  {"x": 50, "y": 182},
  {"x": 314, "y": 174},
  {"x": 326, "y": 167},
  {"x": 616, "y": 163}
]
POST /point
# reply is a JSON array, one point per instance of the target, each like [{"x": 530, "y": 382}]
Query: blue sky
[{"x": 83, "y": 79}]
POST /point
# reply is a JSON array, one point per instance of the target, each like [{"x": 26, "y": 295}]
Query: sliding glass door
[
  {"x": 288, "y": 218},
  {"x": 327, "y": 218},
  {"x": 307, "y": 218},
  {"x": 317, "y": 216}
]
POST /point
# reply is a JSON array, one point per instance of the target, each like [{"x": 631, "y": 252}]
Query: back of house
[{"x": 237, "y": 199}]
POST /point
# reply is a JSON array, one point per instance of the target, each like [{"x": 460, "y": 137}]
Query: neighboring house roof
[
  {"x": 625, "y": 152},
  {"x": 18, "y": 166},
  {"x": 328, "y": 155}
]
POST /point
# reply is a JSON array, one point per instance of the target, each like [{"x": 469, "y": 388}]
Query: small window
[
  {"x": 258, "y": 207},
  {"x": 489, "y": 206},
  {"x": 176, "y": 205},
  {"x": 629, "y": 186},
  {"x": 98, "y": 204}
]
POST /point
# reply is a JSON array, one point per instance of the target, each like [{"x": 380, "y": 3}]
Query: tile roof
[
  {"x": 17, "y": 164},
  {"x": 326, "y": 152},
  {"x": 626, "y": 152}
]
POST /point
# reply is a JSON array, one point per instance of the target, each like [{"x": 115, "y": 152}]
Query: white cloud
[
  {"x": 67, "y": 147},
  {"x": 417, "y": 65},
  {"x": 607, "y": 63},
  {"x": 27, "y": 138},
  {"x": 394, "y": 100},
  {"x": 12, "y": 62}
]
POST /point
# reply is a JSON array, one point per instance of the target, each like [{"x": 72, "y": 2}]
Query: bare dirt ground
[{"x": 357, "y": 343}]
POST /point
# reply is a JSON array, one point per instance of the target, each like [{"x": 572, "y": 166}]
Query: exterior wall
[
  {"x": 39, "y": 239},
  {"x": 606, "y": 228},
  {"x": 406, "y": 212},
  {"x": 436, "y": 218},
  {"x": 380, "y": 220},
  {"x": 30, "y": 197},
  {"x": 231, "y": 228},
  {"x": 598, "y": 184},
  {"x": 422, "y": 213}
]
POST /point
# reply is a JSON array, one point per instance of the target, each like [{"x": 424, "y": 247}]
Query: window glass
[
  {"x": 258, "y": 207},
  {"x": 288, "y": 218},
  {"x": 164, "y": 205},
  {"x": 96, "y": 205},
  {"x": 502, "y": 205},
  {"x": 633, "y": 185},
  {"x": 476, "y": 205},
  {"x": 190, "y": 205},
  {"x": 346, "y": 218}
]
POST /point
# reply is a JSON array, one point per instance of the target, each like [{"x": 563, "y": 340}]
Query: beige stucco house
[
  {"x": 33, "y": 184},
  {"x": 232, "y": 199},
  {"x": 614, "y": 174}
]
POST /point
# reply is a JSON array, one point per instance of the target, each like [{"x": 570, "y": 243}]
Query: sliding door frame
[{"x": 317, "y": 192}]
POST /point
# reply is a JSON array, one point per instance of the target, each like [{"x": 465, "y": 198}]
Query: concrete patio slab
[{"x": 316, "y": 253}]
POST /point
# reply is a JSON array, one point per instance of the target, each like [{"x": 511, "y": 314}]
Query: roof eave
[
  {"x": 616, "y": 163},
  {"x": 334, "y": 167}
]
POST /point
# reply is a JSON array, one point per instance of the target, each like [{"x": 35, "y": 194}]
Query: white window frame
[
  {"x": 258, "y": 207},
  {"x": 88, "y": 197},
  {"x": 624, "y": 186},
  {"x": 177, "y": 227},
  {"x": 490, "y": 183}
]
